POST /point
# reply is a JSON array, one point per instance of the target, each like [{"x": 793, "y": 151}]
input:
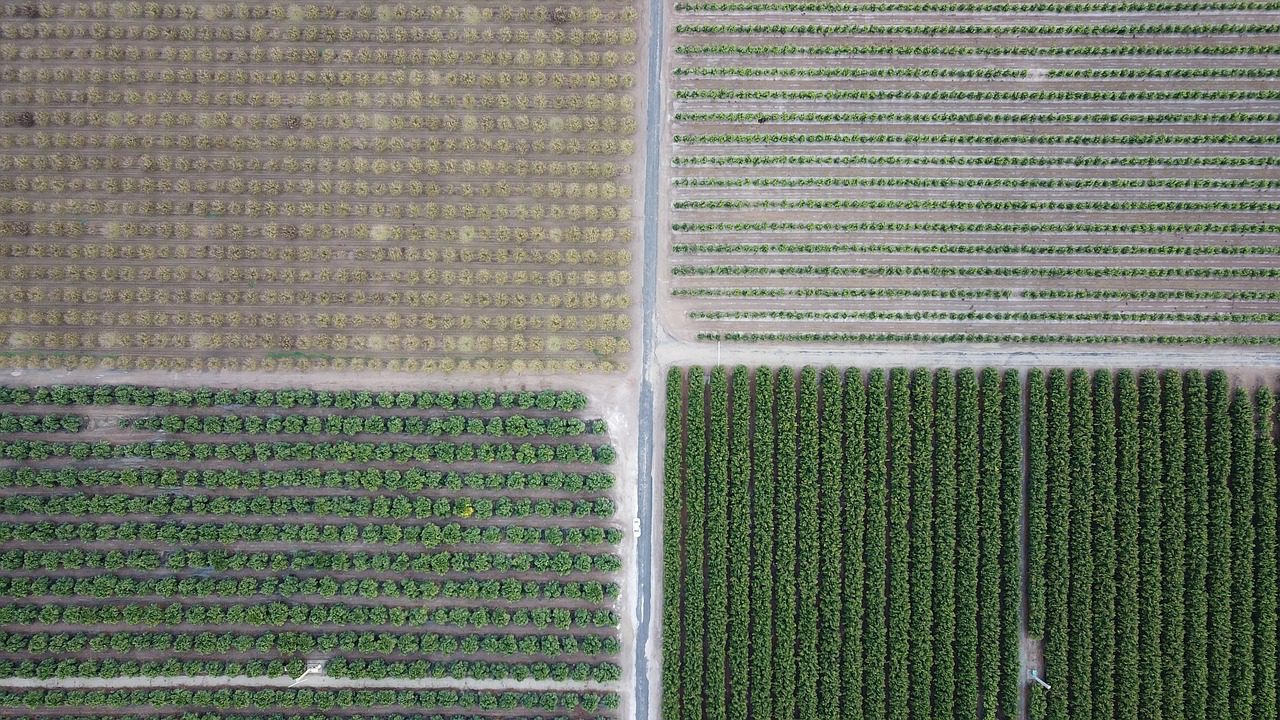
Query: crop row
[
  {"x": 427, "y": 535},
  {"x": 294, "y": 642},
  {"x": 498, "y": 79},
  {"x": 965, "y": 271},
  {"x": 290, "y": 33},
  {"x": 966, "y": 249},
  {"x": 399, "y": 507},
  {"x": 973, "y": 117},
  {"x": 833, "y": 475},
  {"x": 279, "y": 614},
  {"x": 1071, "y": 6},
  {"x": 972, "y": 315},
  {"x": 288, "y": 586},
  {"x": 108, "y": 667},
  {"x": 450, "y": 238},
  {"x": 341, "y": 451},
  {"x": 402, "y": 563},
  {"x": 568, "y": 401},
  {"x": 966, "y": 182},
  {"x": 187, "y": 205},
  {"x": 982, "y": 160},
  {"x": 30, "y": 423},
  {"x": 1126, "y": 50},
  {"x": 957, "y": 293},
  {"x": 1072, "y": 227},
  {"x": 251, "y": 54},
  {"x": 328, "y": 700},
  {"x": 347, "y": 165},
  {"x": 360, "y": 14},
  {"x": 949, "y": 139},
  {"x": 454, "y": 425},
  {"x": 974, "y": 337},
  {"x": 921, "y": 204},
  {"x": 958, "y": 29},
  {"x": 413, "y": 480}
]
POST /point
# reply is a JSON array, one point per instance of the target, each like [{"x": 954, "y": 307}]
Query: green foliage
[
  {"x": 672, "y": 568},
  {"x": 989, "y": 544},
  {"x": 762, "y": 537},
  {"x": 740, "y": 588},
  {"x": 853, "y": 608},
  {"x": 1172, "y": 547},
  {"x": 1218, "y": 582},
  {"x": 944, "y": 546},
  {"x": 1196, "y": 549},
  {"x": 967, "y": 443},
  {"x": 808, "y": 537},
  {"x": 875, "y": 552},
  {"x": 692, "y": 673},
  {"x": 1242, "y": 552},
  {"x": 829, "y": 553},
  {"x": 1104, "y": 545},
  {"x": 922, "y": 512},
  {"x": 784, "y": 507},
  {"x": 1080, "y": 555},
  {"x": 717, "y": 530},
  {"x": 1057, "y": 562},
  {"x": 899, "y": 547}
]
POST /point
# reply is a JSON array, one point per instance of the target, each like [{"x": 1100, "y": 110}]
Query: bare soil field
[
  {"x": 353, "y": 186},
  {"x": 843, "y": 172}
]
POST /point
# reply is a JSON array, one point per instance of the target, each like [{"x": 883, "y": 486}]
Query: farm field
[
  {"x": 268, "y": 186},
  {"x": 1064, "y": 172},
  {"x": 448, "y": 537},
  {"x": 843, "y": 543}
]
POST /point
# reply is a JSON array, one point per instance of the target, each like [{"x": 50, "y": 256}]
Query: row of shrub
[
  {"x": 411, "y": 480},
  {"x": 1074, "y": 6},
  {"x": 985, "y": 338},
  {"x": 340, "y": 451},
  {"x": 566, "y": 401},
  {"x": 301, "y": 642},
  {"x": 1125, "y": 50},
  {"x": 762, "y": 159},
  {"x": 968, "y": 139},
  {"x": 970, "y": 271},
  {"x": 971, "y": 315},
  {"x": 279, "y": 614},
  {"x": 436, "y": 563},
  {"x": 425, "y": 535},
  {"x": 32, "y": 423},
  {"x": 453, "y": 425},
  {"x": 398, "y": 507},
  {"x": 1014, "y": 182},
  {"x": 289, "y": 586},
  {"x": 306, "y": 698},
  {"x": 974, "y": 117},
  {"x": 1005, "y": 227},
  {"x": 971, "y": 29},
  {"x": 934, "y": 204}
]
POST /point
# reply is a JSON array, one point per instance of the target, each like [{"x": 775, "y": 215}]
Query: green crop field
[
  {"x": 852, "y": 544},
  {"x": 408, "y": 535}
]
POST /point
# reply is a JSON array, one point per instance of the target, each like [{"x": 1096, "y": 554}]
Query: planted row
[
  {"x": 341, "y": 451},
  {"x": 371, "y": 479},
  {"x": 567, "y": 401}
]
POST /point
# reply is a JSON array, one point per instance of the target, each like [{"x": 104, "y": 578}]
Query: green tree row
[
  {"x": 566, "y": 401},
  {"x": 411, "y": 480}
]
